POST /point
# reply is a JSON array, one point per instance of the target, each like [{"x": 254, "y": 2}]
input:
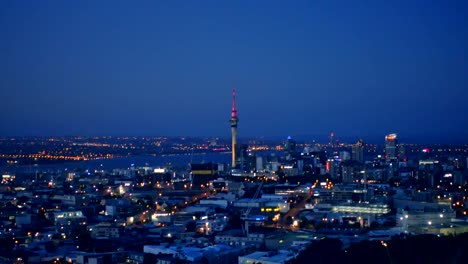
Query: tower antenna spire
[{"x": 234, "y": 109}]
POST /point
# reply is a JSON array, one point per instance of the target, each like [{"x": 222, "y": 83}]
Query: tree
[
  {"x": 304, "y": 222},
  {"x": 327, "y": 250},
  {"x": 235, "y": 220},
  {"x": 50, "y": 246},
  {"x": 6, "y": 244},
  {"x": 374, "y": 225},
  {"x": 150, "y": 259},
  {"x": 22, "y": 200},
  {"x": 191, "y": 226},
  {"x": 220, "y": 210},
  {"x": 84, "y": 241}
]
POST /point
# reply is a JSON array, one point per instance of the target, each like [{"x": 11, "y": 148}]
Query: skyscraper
[
  {"x": 234, "y": 120},
  {"x": 391, "y": 147},
  {"x": 402, "y": 152},
  {"x": 358, "y": 151},
  {"x": 290, "y": 148},
  {"x": 332, "y": 139}
]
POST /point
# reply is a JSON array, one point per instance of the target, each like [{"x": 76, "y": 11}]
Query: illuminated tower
[
  {"x": 391, "y": 147},
  {"x": 234, "y": 120}
]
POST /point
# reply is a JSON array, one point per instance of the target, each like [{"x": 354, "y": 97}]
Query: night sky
[{"x": 303, "y": 68}]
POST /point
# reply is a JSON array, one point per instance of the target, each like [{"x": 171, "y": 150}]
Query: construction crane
[{"x": 246, "y": 215}]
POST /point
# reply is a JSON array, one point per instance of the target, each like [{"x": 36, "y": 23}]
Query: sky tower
[{"x": 234, "y": 120}]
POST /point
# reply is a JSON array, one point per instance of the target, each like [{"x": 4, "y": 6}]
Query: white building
[
  {"x": 104, "y": 231},
  {"x": 270, "y": 257},
  {"x": 69, "y": 218},
  {"x": 215, "y": 201},
  {"x": 213, "y": 254}
]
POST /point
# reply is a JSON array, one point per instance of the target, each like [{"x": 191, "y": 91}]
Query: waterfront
[
  {"x": 179, "y": 160},
  {"x": 125, "y": 162}
]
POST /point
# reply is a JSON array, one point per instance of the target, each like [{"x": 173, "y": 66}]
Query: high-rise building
[
  {"x": 245, "y": 159},
  {"x": 391, "y": 147},
  {"x": 259, "y": 164},
  {"x": 347, "y": 173},
  {"x": 332, "y": 139},
  {"x": 358, "y": 151},
  {"x": 344, "y": 155},
  {"x": 234, "y": 120},
  {"x": 402, "y": 152},
  {"x": 290, "y": 148},
  {"x": 332, "y": 167}
]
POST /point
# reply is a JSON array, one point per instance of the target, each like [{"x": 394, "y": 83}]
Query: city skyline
[{"x": 303, "y": 69}]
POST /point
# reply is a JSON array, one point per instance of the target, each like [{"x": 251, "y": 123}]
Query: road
[{"x": 293, "y": 212}]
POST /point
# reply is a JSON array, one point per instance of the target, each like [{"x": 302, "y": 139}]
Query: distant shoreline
[{"x": 181, "y": 159}]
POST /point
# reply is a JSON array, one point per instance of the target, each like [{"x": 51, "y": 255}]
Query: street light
[{"x": 385, "y": 245}]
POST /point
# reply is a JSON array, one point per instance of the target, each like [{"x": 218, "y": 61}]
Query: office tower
[
  {"x": 332, "y": 139},
  {"x": 402, "y": 152},
  {"x": 358, "y": 151},
  {"x": 234, "y": 120},
  {"x": 391, "y": 147},
  {"x": 344, "y": 155},
  {"x": 347, "y": 173},
  {"x": 290, "y": 148},
  {"x": 259, "y": 164},
  {"x": 332, "y": 167},
  {"x": 245, "y": 160}
]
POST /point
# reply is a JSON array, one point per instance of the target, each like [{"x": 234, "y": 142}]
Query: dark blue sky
[{"x": 359, "y": 68}]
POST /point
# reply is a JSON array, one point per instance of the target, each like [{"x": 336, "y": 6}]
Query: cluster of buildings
[
  {"x": 127, "y": 215},
  {"x": 260, "y": 208}
]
